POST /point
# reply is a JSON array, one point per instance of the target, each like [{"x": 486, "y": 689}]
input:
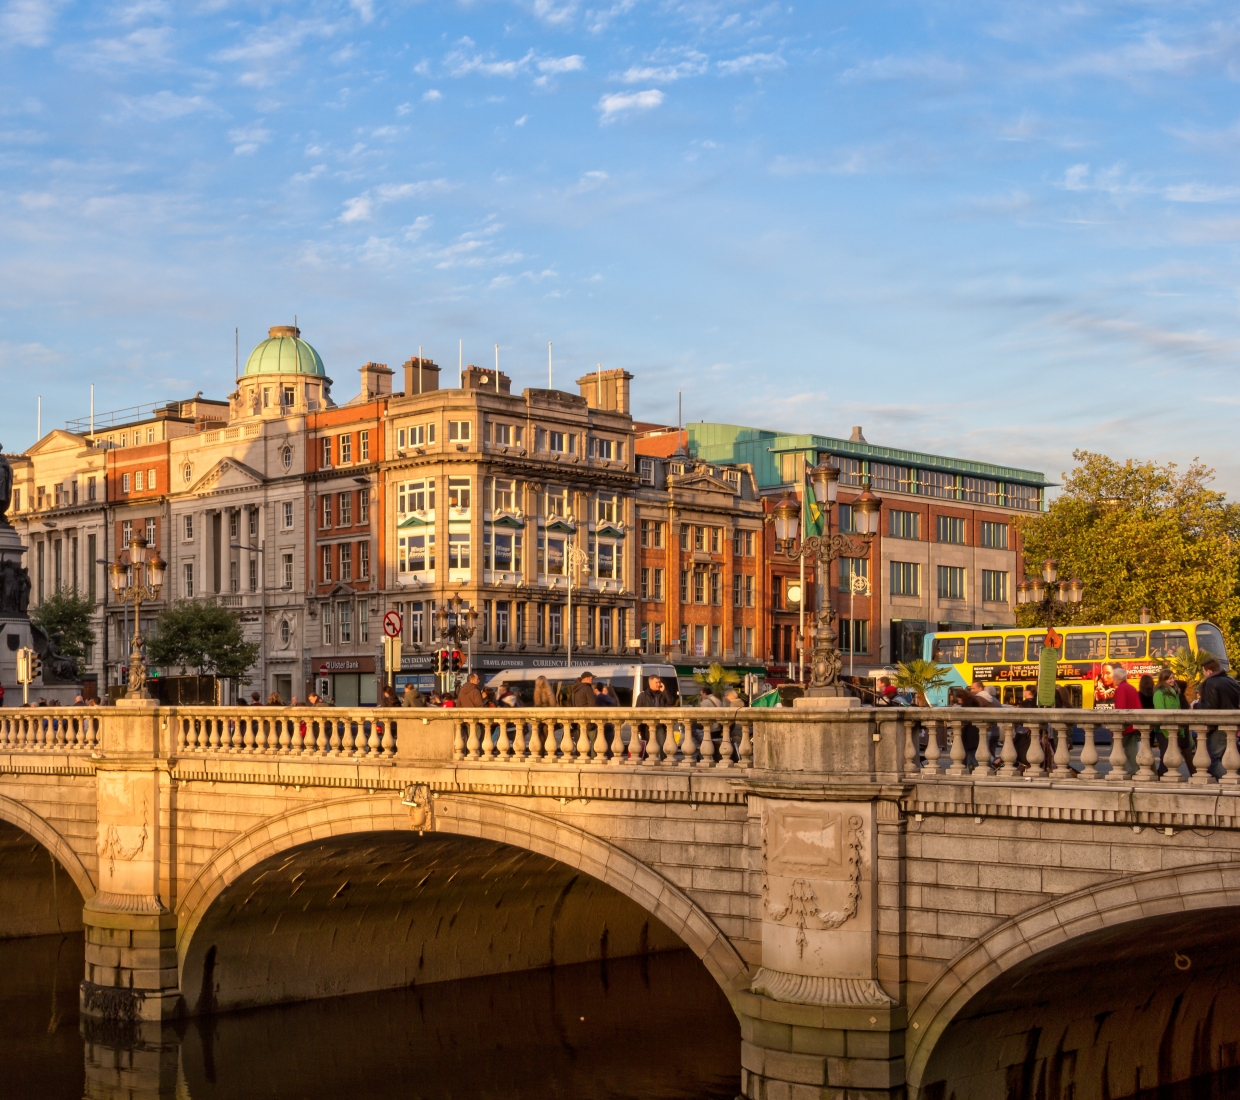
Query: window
[
  {"x": 363, "y": 622},
  {"x": 950, "y": 529},
  {"x": 751, "y": 539},
  {"x": 150, "y": 479},
  {"x": 253, "y": 522},
  {"x": 124, "y": 483},
  {"x": 346, "y": 564},
  {"x": 188, "y": 473},
  {"x": 416, "y": 496},
  {"x": 90, "y": 493},
  {"x": 738, "y": 590},
  {"x": 1208, "y": 638},
  {"x": 551, "y": 556},
  {"x": 716, "y": 540},
  {"x": 905, "y": 525},
  {"x": 327, "y": 452},
  {"x": 980, "y": 491},
  {"x": 502, "y": 551},
  {"x": 234, "y": 524},
  {"x": 905, "y": 578},
  {"x": 603, "y": 448},
  {"x": 854, "y": 636},
  {"x": 1014, "y": 648},
  {"x": 286, "y": 567},
  {"x": 363, "y": 506},
  {"x": 645, "y": 471},
  {"x": 363, "y": 561},
  {"x": 606, "y": 508},
  {"x": 504, "y": 434},
  {"x": 420, "y": 435},
  {"x": 503, "y": 495},
  {"x": 555, "y": 625},
  {"x": 138, "y": 482},
  {"x": 994, "y": 586},
  {"x": 234, "y": 576},
  {"x": 652, "y": 533},
  {"x": 984, "y": 650},
  {"x": 788, "y": 468},
  {"x": 716, "y": 588},
  {"x": 949, "y": 651},
  {"x": 1167, "y": 643},
  {"x": 652, "y": 584},
  {"x": 951, "y": 582},
  {"x": 699, "y": 586},
  {"x": 852, "y": 567},
  {"x": 684, "y": 537},
  {"x": 458, "y": 431},
  {"x": 288, "y": 514},
  {"x": 346, "y": 623},
  {"x": 847, "y": 524},
  {"x": 150, "y": 533},
  {"x": 1085, "y": 647},
  {"x": 187, "y": 580},
  {"x": 995, "y": 535},
  {"x": 557, "y": 502},
  {"x": 188, "y": 523},
  {"x": 1126, "y": 644},
  {"x": 557, "y": 441},
  {"x": 684, "y": 586},
  {"x": 400, "y": 439},
  {"x": 1028, "y": 498},
  {"x": 363, "y": 447},
  {"x": 458, "y": 551},
  {"x": 286, "y": 458},
  {"x": 610, "y": 564},
  {"x": 346, "y": 509},
  {"x": 253, "y": 574},
  {"x": 288, "y": 396},
  {"x": 327, "y": 510},
  {"x": 415, "y": 553},
  {"x": 346, "y": 457},
  {"x": 750, "y": 590},
  {"x": 17, "y": 497},
  {"x": 325, "y": 613},
  {"x": 286, "y": 632},
  {"x": 897, "y": 479},
  {"x": 458, "y": 493},
  {"x": 716, "y": 640},
  {"x": 126, "y": 532},
  {"x": 749, "y": 641},
  {"x": 150, "y": 435},
  {"x": 327, "y": 565},
  {"x": 935, "y": 483}
]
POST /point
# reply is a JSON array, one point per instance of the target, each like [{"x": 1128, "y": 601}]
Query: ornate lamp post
[
  {"x": 823, "y": 550},
  {"x": 1049, "y": 592},
  {"x": 457, "y": 622},
  {"x": 575, "y": 558},
  {"x": 148, "y": 579}
]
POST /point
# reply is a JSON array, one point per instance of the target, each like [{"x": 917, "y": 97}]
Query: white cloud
[
  {"x": 905, "y": 68},
  {"x": 1201, "y": 192},
  {"x": 522, "y": 120},
  {"x": 362, "y": 207},
  {"x": 364, "y": 8},
  {"x": 618, "y": 104},
  {"x": 403, "y": 109},
  {"x": 752, "y": 63},
  {"x": 666, "y": 72},
  {"x": 145, "y": 48},
  {"x": 1112, "y": 181},
  {"x": 247, "y": 139},
  {"x": 165, "y": 105},
  {"x": 599, "y": 21},
  {"x": 432, "y": 95},
  {"x": 556, "y": 65},
  {"x": 550, "y": 12},
  {"x": 466, "y": 62},
  {"x": 28, "y": 22},
  {"x": 590, "y": 181},
  {"x": 420, "y": 225},
  {"x": 356, "y": 209}
]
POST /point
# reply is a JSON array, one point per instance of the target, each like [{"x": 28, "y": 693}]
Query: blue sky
[{"x": 992, "y": 230}]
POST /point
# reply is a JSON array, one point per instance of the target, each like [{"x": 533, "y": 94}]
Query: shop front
[{"x": 346, "y": 681}]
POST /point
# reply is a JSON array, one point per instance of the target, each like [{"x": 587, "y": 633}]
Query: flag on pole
[
  {"x": 814, "y": 519},
  {"x": 770, "y": 699}
]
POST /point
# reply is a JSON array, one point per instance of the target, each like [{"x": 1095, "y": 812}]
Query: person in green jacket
[{"x": 1167, "y": 697}]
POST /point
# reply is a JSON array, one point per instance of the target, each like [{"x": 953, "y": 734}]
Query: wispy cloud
[
  {"x": 589, "y": 181},
  {"x": 247, "y": 139},
  {"x": 466, "y": 61},
  {"x": 165, "y": 105},
  {"x": 1152, "y": 52},
  {"x": 935, "y": 69},
  {"x": 621, "y": 104},
  {"x": 666, "y": 71},
  {"x": 145, "y": 48},
  {"x": 752, "y": 63},
  {"x": 431, "y": 95},
  {"x": 28, "y": 22},
  {"x": 362, "y": 207},
  {"x": 1201, "y": 192}
]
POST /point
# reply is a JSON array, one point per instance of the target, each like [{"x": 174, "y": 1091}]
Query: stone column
[
  {"x": 816, "y": 1021},
  {"x": 131, "y": 964}
]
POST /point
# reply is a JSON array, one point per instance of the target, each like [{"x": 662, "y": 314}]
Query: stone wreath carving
[
  {"x": 417, "y": 796},
  {"x": 803, "y": 902},
  {"x": 111, "y": 848}
]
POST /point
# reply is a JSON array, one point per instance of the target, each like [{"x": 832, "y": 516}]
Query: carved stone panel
[{"x": 127, "y": 842}]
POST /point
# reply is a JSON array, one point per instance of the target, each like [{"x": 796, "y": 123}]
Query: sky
[{"x": 998, "y": 231}]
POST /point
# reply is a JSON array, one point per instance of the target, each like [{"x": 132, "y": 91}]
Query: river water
[{"x": 655, "y": 1027}]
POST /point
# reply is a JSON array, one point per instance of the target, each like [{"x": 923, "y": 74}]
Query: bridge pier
[{"x": 812, "y": 1052}]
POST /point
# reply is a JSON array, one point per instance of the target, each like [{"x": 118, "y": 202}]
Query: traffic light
[
  {"x": 36, "y": 666},
  {"x": 23, "y": 666},
  {"x": 457, "y": 660}
]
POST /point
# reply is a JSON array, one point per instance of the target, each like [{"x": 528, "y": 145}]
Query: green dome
[{"x": 284, "y": 352}]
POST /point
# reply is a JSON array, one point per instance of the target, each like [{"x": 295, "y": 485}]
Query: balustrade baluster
[
  {"x": 1231, "y": 761},
  {"x": 1089, "y": 752},
  {"x": 519, "y": 747},
  {"x": 373, "y": 741},
  {"x": 745, "y": 753},
  {"x": 213, "y": 734},
  {"x": 1007, "y": 753},
  {"x": 1173, "y": 758},
  {"x": 1063, "y": 751},
  {"x": 1118, "y": 758},
  {"x": 286, "y": 738},
  {"x": 688, "y": 745},
  {"x": 321, "y": 740},
  {"x": 651, "y": 742},
  {"x": 912, "y": 751},
  {"x": 725, "y": 747},
  {"x": 333, "y": 742},
  {"x": 472, "y": 746},
  {"x": 458, "y": 742},
  {"x": 620, "y": 751},
  {"x": 1201, "y": 763},
  {"x": 600, "y": 742},
  {"x": 503, "y": 745},
  {"x": 933, "y": 751},
  {"x": 537, "y": 746},
  {"x": 582, "y": 744},
  {"x": 958, "y": 766},
  {"x": 348, "y": 739},
  {"x": 706, "y": 745},
  {"x": 1035, "y": 754},
  {"x": 1145, "y": 757},
  {"x": 248, "y": 736},
  {"x": 387, "y": 742}
]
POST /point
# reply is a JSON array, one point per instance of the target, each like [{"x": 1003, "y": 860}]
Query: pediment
[
  {"x": 225, "y": 475},
  {"x": 703, "y": 483},
  {"x": 57, "y": 440}
]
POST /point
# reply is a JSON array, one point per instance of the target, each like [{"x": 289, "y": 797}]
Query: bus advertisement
[{"x": 1006, "y": 659}]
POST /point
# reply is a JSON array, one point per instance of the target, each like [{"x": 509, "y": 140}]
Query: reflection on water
[{"x": 655, "y": 1027}]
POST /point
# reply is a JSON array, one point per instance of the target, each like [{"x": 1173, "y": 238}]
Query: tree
[
  {"x": 921, "y": 676},
  {"x": 1188, "y": 665},
  {"x": 1140, "y": 535},
  {"x": 65, "y": 618},
  {"x": 202, "y": 635},
  {"x": 717, "y": 678}
]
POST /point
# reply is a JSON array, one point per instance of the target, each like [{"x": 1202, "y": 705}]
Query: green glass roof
[{"x": 284, "y": 352}]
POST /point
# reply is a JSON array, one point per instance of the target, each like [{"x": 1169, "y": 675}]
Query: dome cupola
[
  {"x": 284, "y": 352},
  {"x": 284, "y": 376}
]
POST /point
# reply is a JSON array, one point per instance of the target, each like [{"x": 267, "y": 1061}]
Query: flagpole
[{"x": 801, "y": 601}]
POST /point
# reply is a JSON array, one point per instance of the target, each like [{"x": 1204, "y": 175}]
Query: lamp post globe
[{"x": 787, "y": 517}]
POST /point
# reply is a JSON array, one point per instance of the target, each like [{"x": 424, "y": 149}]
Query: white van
[{"x": 625, "y": 681}]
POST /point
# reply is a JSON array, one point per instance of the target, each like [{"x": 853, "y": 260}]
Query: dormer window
[
  {"x": 645, "y": 469},
  {"x": 290, "y": 395}
]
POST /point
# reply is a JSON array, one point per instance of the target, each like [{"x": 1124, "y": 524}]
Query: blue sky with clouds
[{"x": 995, "y": 230}]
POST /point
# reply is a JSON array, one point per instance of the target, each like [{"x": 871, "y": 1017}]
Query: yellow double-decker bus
[{"x": 1006, "y": 659}]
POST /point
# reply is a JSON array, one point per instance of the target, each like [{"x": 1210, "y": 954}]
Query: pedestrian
[
  {"x": 732, "y": 697},
  {"x": 389, "y": 696},
  {"x": 470, "y": 694},
  {"x": 79, "y": 702},
  {"x": 653, "y": 695},
  {"x": 436, "y": 700},
  {"x": 1029, "y": 697},
  {"x": 314, "y": 700},
  {"x": 983, "y": 694},
  {"x": 508, "y": 697},
  {"x": 1145, "y": 689},
  {"x": 1126, "y": 697},
  {"x": 1167, "y": 697},
  {"x": 273, "y": 700},
  {"x": 293, "y": 702},
  {"x": 886, "y": 693},
  {"x": 412, "y": 697},
  {"x": 1218, "y": 692},
  {"x": 256, "y": 700},
  {"x": 543, "y": 695},
  {"x": 708, "y": 698},
  {"x": 602, "y": 696},
  {"x": 583, "y": 691}
]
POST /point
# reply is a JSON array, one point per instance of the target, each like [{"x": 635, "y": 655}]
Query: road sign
[{"x": 392, "y": 625}]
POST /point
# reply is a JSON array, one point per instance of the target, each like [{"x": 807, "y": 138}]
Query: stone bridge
[{"x": 879, "y": 913}]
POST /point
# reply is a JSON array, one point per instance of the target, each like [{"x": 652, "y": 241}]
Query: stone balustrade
[
  {"x": 322, "y": 732},
  {"x": 51, "y": 729}
]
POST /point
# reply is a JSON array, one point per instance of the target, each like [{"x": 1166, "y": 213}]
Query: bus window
[
  {"x": 1085, "y": 647},
  {"x": 1209, "y": 639},
  {"x": 1167, "y": 643},
  {"x": 1075, "y": 694},
  {"x": 1127, "y": 644},
  {"x": 1013, "y": 694},
  {"x": 949, "y": 651},
  {"x": 1035, "y": 646},
  {"x": 1014, "y": 647},
  {"x": 985, "y": 650}
]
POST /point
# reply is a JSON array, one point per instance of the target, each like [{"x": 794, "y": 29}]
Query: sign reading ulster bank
[{"x": 329, "y": 665}]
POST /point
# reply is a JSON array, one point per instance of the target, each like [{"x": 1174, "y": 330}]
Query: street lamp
[
  {"x": 1049, "y": 591},
  {"x": 574, "y": 558},
  {"x": 457, "y": 622},
  {"x": 825, "y": 658},
  {"x": 148, "y": 579}
]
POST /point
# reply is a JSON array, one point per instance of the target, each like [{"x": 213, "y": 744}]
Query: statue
[
  {"x": 6, "y": 485},
  {"x": 14, "y": 589}
]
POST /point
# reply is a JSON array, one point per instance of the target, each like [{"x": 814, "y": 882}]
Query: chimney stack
[
  {"x": 376, "y": 380},
  {"x": 607, "y": 390},
  {"x": 488, "y": 380},
  {"x": 421, "y": 376},
  {"x": 856, "y": 436}
]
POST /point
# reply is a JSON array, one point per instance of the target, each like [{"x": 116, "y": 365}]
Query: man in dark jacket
[
  {"x": 583, "y": 691},
  {"x": 653, "y": 695},
  {"x": 470, "y": 694},
  {"x": 1218, "y": 692}
]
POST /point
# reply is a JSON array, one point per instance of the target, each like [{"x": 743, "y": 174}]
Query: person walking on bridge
[
  {"x": 1218, "y": 692},
  {"x": 470, "y": 694}
]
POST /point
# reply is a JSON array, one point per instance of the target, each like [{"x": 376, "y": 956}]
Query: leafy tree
[
  {"x": 65, "y": 618},
  {"x": 717, "y": 678},
  {"x": 1139, "y": 534},
  {"x": 202, "y": 635},
  {"x": 1187, "y": 664},
  {"x": 921, "y": 676}
]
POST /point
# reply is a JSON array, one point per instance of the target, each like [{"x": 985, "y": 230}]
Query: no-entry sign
[{"x": 392, "y": 624}]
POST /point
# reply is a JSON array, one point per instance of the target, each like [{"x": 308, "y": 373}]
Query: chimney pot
[{"x": 856, "y": 436}]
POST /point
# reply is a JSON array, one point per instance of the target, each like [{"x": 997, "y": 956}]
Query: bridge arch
[
  {"x": 28, "y": 821},
  {"x": 1057, "y": 924},
  {"x": 484, "y": 819}
]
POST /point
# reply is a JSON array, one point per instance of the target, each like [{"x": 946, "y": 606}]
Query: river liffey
[{"x": 656, "y": 1027}]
